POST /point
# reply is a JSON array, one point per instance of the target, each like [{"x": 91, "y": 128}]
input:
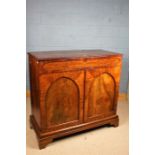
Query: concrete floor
[{"x": 101, "y": 141}]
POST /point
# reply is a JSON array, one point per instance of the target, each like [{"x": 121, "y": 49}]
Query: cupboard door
[
  {"x": 62, "y": 99},
  {"x": 101, "y": 88}
]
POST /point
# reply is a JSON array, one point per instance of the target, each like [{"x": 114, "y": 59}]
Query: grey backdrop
[{"x": 79, "y": 24}]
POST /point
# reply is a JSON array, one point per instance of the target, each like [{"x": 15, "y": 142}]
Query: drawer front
[
  {"x": 61, "y": 96},
  {"x": 47, "y": 67},
  {"x": 101, "y": 92}
]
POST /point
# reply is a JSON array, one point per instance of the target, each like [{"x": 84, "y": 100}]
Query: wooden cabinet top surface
[{"x": 72, "y": 54}]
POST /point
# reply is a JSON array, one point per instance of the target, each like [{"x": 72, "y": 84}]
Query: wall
[{"x": 79, "y": 24}]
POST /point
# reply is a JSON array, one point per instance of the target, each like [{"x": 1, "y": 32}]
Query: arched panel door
[
  {"x": 100, "y": 95},
  {"x": 63, "y": 94}
]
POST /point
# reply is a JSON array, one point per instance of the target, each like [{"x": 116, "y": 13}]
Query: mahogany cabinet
[{"x": 72, "y": 91}]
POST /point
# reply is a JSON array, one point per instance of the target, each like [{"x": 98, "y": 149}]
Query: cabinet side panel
[
  {"x": 34, "y": 91},
  {"x": 117, "y": 71}
]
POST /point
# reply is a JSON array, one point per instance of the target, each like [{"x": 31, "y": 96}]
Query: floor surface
[{"x": 101, "y": 141}]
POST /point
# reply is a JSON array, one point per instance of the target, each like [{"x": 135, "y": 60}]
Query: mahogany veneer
[{"x": 72, "y": 91}]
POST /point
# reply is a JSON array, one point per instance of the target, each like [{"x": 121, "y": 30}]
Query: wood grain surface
[
  {"x": 72, "y": 91},
  {"x": 61, "y": 97}
]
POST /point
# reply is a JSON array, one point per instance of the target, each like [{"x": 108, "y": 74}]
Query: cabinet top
[{"x": 72, "y": 54}]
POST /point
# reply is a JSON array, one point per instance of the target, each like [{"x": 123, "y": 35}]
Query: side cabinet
[{"x": 72, "y": 92}]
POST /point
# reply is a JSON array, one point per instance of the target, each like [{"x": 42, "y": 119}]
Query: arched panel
[
  {"x": 101, "y": 95},
  {"x": 62, "y": 101}
]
